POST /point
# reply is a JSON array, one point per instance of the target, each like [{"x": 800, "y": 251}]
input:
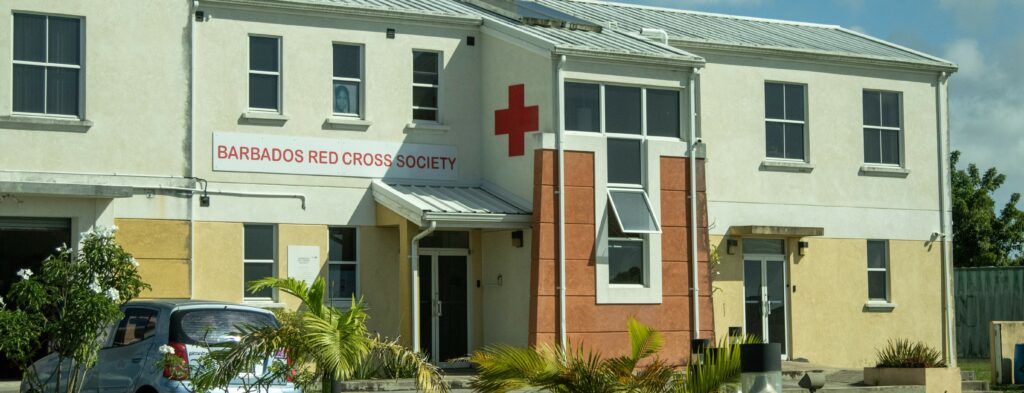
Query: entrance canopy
[{"x": 450, "y": 206}]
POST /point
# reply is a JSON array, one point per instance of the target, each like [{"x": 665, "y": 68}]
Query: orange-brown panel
[
  {"x": 610, "y": 344},
  {"x": 703, "y": 279},
  {"x": 544, "y": 169},
  {"x": 579, "y": 205},
  {"x": 675, "y": 279},
  {"x": 579, "y": 242},
  {"x": 537, "y": 339},
  {"x": 580, "y": 277},
  {"x": 707, "y": 312},
  {"x": 579, "y": 169},
  {"x": 547, "y": 277},
  {"x": 583, "y": 315},
  {"x": 545, "y": 207},
  {"x": 546, "y": 241},
  {"x": 674, "y": 174},
  {"x": 674, "y": 205},
  {"x": 675, "y": 244},
  {"x": 547, "y": 314}
]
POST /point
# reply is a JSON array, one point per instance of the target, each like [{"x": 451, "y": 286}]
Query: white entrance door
[
  {"x": 444, "y": 305},
  {"x": 764, "y": 287}
]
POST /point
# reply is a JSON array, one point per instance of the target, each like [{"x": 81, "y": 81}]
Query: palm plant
[
  {"x": 720, "y": 365},
  {"x": 322, "y": 344}
]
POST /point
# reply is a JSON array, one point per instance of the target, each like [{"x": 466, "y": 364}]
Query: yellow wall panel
[
  {"x": 164, "y": 239},
  {"x": 218, "y": 261},
  {"x": 298, "y": 235},
  {"x": 168, "y": 277},
  {"x": 379, "y": 270}
]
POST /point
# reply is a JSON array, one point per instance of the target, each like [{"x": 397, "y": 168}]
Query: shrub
[{"x": 902, "y": 353}]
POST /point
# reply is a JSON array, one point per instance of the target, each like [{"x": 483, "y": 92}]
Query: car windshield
[{"x": 214, "y": 326}]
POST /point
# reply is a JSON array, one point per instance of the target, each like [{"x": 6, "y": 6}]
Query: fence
[{"x": 985, "y": 294}]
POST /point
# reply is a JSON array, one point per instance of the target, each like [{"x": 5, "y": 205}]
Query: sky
[{"x": 984, "y": 37}]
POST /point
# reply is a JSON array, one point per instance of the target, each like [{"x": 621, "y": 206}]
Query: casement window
[
  {"x": 878, "y": 270},
  {"x": 882, "y": 127},
  {"x": 426, "y": 83},
  {"x": 785, "y": 121},
  {"x": 342, "y": 266},
  {"x": 265, "y": 73},
  {"x": 258, "y": 260},
  {"x": 637, "y": 110},
  {"x": 347, "y": 80},
  {"x": 630, "y": 214},
  {"x": 47, "y": 65}
]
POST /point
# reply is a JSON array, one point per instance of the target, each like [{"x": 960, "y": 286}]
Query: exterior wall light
[
  {"x": 802, "y": 246},
  {"x": 517, "y": 239},
  {"x": 730, "y": 246},
  {"x": 390, "y": 33}
]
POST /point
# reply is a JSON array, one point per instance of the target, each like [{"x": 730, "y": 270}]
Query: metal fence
[{"x": 985, "y": 294}]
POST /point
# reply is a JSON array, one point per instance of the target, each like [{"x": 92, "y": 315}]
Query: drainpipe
[
  {"x": 694, "y": 247},
  {"x": 192, "y": 148},
  {"x": 944, "y": 219},
  {"x": 559, "y": 136},
  {"x": 414, "y": 276}
]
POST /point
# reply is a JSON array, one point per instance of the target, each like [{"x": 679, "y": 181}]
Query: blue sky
[{"x": 984, "y": 37}]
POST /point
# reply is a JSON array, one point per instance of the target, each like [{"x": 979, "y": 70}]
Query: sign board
[
  {"x": 304, "y": 263},
  {"x": 236, "y": 152}
]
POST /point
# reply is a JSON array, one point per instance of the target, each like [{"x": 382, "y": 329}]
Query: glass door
[
  {"x": 444, "y": 305},
  {"x": 764, "y": 287}
]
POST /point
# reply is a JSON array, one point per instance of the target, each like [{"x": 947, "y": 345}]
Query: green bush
[{"x": 902, "y": 353}]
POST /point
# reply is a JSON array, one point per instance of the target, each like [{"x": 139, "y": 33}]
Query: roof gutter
[
  {"x": 693, "y": 142},
  {"x": 563, "y": 339},
  {"x": 350, "y": 11}
]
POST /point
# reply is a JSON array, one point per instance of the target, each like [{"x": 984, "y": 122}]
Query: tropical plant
[
  {"x": 68, "y": 306},
  {"x": 322, "y": 344},
  {"x": 720, "y": 365},
  {"x": 902, "y": 353}
]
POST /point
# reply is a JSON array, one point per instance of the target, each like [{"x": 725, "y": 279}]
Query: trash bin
[{"x": 1018, "y": 364}]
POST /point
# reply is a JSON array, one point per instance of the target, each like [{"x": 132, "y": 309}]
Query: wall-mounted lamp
[
  {"x": 204, "y": 199},
  {"x": 390, "y": 33},
  {"x": 517, "y": 239},
  {"x": 731, "y": 245},
  {"x": 802, "y": 246}
]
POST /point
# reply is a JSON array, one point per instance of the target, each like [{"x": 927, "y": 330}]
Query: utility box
[{"x": 1003, "y": 338}]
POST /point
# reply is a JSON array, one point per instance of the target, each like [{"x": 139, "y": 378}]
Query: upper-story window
[
  {"x": 785, "y": 120},
  {"x": 882, "y": 127},
  {"x": 637, "y": 111},
  {"x": 426, "y": 67},
  {"x": 265, "y": 73},
  {"x": 342, "y": 266},
  {"x": 258, "y": 259},
  {"x": 47, "y": 65},
  {"x": 348, "y": 80}
]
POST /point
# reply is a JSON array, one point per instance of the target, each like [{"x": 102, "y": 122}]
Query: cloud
[
  {"x": 971, "y": 15},
  {"x": 859, "y": 29}
]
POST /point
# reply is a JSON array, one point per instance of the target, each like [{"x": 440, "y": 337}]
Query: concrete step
[
  {"x": 968, "y": 375},
  {"x": 973, "y": 385}
]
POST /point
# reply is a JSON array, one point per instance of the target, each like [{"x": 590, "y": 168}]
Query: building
[{"x": 408, "y": 152}]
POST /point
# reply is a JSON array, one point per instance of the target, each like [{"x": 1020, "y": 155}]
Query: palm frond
[{"x": 643, "y": 340}]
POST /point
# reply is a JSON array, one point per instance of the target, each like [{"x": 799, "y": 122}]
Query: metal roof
[
  {"x": 449, "y": 205},
  {"x": 437, "y": 7},
  {"x": 699, "y": 27}
]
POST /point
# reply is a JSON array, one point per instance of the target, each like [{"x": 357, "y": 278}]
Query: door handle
[
  {"x": 136, "y": 360},
  {"x": 440, "y": 311}
]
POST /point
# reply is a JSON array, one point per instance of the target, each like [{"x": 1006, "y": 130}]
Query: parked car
[{"x": 130, "y": 355}]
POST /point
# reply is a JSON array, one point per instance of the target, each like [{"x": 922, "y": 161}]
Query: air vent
[{"x": 531, "y": 13}]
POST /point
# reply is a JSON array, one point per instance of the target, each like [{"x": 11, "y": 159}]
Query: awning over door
[{"x": 450, "y": 206}]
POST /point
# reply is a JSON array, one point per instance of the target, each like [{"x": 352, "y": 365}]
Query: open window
[{"x": 633, "y": 212}]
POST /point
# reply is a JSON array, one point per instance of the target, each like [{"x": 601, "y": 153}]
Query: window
[
  {"x": 259, "y": 259},
  {"x": 881, "y": 127},
  {"x": 265, "y": 73},
  {"x": 637, "y": 111},
  {"x": 784, "y": 118},
  {"x": 878, "y": 270},
  {"x": 342, "y": 264},
  {"x": 663, "y": 113},
  {"x": 347, "y": 84},
  {"x": 47, "y": 65},
  {"x": 630, "y": 214},
  {"x": 628, "y": 168},
  {"x": 624, "y": 103},
  {"x": 425, "y": 83},
  {"x": 583, "y": 107},
  {"x": 137, "y": 325}
]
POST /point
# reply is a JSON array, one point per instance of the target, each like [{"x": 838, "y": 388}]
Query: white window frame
[
  {"x": 602, "y": 130},
  {"x": 343, "y": 302},
  {"x": 657, "y": 223},
  {"x": 887, "y": 270},
  {"x": 437, "y": 87},
  {"x": 279, "y": 74},
  {"x": 806, "y": 144},
  {"x": 899, "y": 130},
  {"x": 361, "y": 113},
  {"x": 47, "y": 64},
  {"x": 272, "y": 262}
]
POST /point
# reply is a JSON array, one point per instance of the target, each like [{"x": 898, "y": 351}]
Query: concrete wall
[
  {"x": 1003, "y": 337},
  {"x": 380, "y": 260},
  {"x": 162, "y": 249},
  {"x": 506, "y": 288}
]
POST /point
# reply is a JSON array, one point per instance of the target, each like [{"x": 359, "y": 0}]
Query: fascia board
[
  {"x": 349, "y": 11},
  {"x": 518, "y": 38},
  {"x": 387, "y": 197},
  {"x": 629, "y": 58}
]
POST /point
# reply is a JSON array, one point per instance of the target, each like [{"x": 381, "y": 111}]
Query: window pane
[
  {"x": 890, "y": 109},
  {"x": 256, "y": 271},
  {"x": 29, "y": 38},
  {"x": 263, "y": 54},
  {"x": 872, "y": 146},
  {"x": 876, "y": 254},
  {"x": 424, "y": 66},
  {"x": 61, "y": 91},
  {"x": 424, "y": 114},
  {"x": 773, "y": 101},
  {"x": 582, "y": 112},
  {"x": 214, "y": 327},
  {"x": 346, "y": 97},
  {"x": 341, "y": 281},
  {"x": 775, "y": 140},
  {"x": 872, "y": 116},
  {"x": 795, "y": 141},
  {"x": 342, "y": 245},
  {"x": 29, "y": 82},
  {"x": 663, "y": 113},
  {"x": 622, "y": 109},
  {"x": 259, "y": 242},
  {"x": 794, "y": 102},
  {"x": 624, "y": 161},
  {"x": 763, "y": 246},
  {"x": 635, "y": 214},
  {"x": 625, "y": 262},
  {"x": 64, "y": 40},
  {"x": 262, "y": 91},
  {"x": 425, "y": 97},
  {"x": 346, "y": 61},
  {"x": 890, "y": 147},
  {"x": 876, "y": 285}
]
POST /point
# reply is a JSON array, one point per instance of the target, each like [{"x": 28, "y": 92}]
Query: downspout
[
  {"x": 559, "y": 136},
  {"x": 192, "y": 148},
  {"x": 944, "y": 218},
  {"x": 694, "y": 247},
  {"x": 414, "y": 277}
]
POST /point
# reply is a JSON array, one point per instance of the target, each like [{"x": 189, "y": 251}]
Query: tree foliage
[{"x": 980, "y": 236}]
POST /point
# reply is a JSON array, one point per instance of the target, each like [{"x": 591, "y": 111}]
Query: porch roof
[{"x": 450, "y": 206}]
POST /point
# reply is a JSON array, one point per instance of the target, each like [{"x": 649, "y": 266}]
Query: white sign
[
  {"x": 332, "y": 157},
  {"x": 304, "y": 263}
]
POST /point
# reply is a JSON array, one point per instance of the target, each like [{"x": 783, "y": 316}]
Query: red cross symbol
[{"x": 515, "y": 121}]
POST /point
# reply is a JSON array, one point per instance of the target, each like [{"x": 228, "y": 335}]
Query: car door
[{"x": 120, "y": 363}]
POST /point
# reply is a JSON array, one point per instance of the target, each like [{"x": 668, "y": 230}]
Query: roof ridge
[{"x": 715, "y": 14}]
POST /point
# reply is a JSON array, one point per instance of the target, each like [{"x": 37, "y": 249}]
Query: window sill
[
  {"x": 427, "y": 128},
  {"x": 346, "y": 123},
  {"x": 786, "y": 166},
  {"x": 44, "y": 123},
  {"x": 883, "y": 170},
  {"x": 879, "y": 306},
  {"x": 263, "y": 118}
]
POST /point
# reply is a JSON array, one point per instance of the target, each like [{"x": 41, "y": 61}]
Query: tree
[{"x": 980, "y": 236}]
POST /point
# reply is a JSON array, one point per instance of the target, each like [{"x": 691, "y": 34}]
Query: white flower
[
  {"x": 95, "y": 287},
  {"x": 134, "y": 262},
  {"x": 112, "y": 294},
  {"x": 2, "y": 304},
  {"x": 166, "y": 349},
  {"x": 24, "y": 274},
  {"x": 113, "y": 228}
]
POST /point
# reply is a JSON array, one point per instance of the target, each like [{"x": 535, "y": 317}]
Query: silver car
[{"x": 130, "y": 355}]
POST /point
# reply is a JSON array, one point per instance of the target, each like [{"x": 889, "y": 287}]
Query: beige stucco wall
[
  {"x": 828, "y": 322},
  {"x": 379, "y": 269},
  {"x": 506, "y": 302}
]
